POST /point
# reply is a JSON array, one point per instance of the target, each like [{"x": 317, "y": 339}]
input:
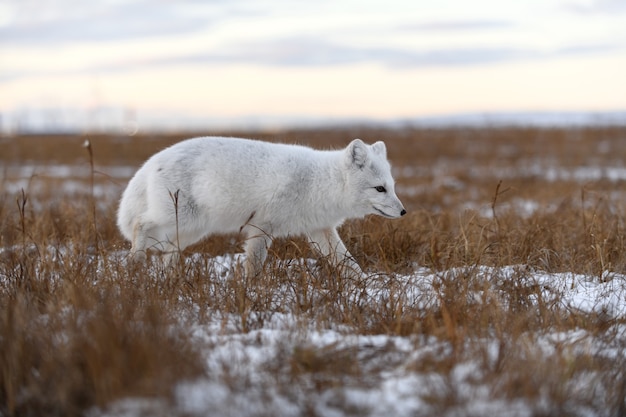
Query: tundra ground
[{"x": 502, "y": 291}]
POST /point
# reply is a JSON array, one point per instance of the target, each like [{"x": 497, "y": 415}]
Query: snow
[
  {"x": 252, "y": 373},
  {"x": 44, "y": 183}
]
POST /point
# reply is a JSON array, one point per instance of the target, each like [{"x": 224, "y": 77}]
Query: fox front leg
[{"x": 328, "y": 244}]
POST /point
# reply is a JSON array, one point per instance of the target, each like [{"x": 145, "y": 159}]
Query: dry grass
[{"x": 78, "y": 328}]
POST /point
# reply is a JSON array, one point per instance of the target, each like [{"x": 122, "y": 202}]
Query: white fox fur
[{"x": 264, "y": 190}]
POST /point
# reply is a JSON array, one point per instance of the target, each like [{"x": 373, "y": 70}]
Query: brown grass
[{"x": 78, "y": 328}]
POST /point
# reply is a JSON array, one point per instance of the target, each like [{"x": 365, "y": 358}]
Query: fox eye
[{"x": 380, "y": 189}]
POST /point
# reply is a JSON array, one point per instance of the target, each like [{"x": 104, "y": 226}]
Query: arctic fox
[{"x": 209, "y": 185}]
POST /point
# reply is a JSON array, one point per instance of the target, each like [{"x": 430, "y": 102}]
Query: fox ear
[
  {"x": 379, "y": 148},
  {"x": 356, "y": 153}
]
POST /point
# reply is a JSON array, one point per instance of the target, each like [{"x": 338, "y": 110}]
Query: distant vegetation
[{"x": 79, "y": 328}]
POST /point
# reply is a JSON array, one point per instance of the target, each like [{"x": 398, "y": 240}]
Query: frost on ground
[{"x": 285, "y": 365}]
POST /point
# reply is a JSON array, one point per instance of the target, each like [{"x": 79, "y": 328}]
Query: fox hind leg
[
  {"x": 256, "y": 252},
  {"x": 149, "y": 235},
  {"x": 139, "y": 243}
]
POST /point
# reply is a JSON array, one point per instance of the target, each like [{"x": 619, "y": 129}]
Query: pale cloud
[
  {"x": 595, "y": 6},
  {"x": 81, "y": 22},
  {"x": 314, "y": 52},
  {"x": 460, "y": 25}
]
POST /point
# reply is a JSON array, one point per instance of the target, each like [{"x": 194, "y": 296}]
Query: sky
[{"x": 186, "y": 63}]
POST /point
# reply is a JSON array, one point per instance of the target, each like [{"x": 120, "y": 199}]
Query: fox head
[{"x": 370, "y": 184}]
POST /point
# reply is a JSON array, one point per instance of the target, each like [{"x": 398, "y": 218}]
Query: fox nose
[{"x": 403, "y": 212}]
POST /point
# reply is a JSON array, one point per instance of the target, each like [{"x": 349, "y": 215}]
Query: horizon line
[{"x": 153, "y": 123}]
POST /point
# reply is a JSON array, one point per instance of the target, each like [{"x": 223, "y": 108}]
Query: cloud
[
  {"x": 459, "y": 25},
  {"x": 316, "y": 52},
  {"x": 587, "y": 49},
  {"x": 596, "y": 6},
  {"x": 73, "y": 21},
  {"x": 311, "y": 52}
]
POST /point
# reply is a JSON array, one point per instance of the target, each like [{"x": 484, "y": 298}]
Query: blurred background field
[{"x": 502, "y": 290}]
